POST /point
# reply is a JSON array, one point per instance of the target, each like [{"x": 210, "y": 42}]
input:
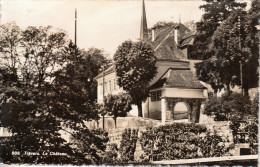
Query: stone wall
[{"x": 115, "y": 134}]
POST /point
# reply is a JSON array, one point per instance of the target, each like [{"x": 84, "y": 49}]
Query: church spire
[{"x": 144, "y": 30}]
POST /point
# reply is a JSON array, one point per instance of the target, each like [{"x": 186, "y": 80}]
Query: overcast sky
[{"x": 101, "y": 24}]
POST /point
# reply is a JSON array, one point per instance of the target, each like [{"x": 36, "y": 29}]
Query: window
[
  {"x": 155, "y": 96},
  {"x": 115, "y": 84},
  {"x": 210, "y": 95},
  {"x": 106, "y": 87}
]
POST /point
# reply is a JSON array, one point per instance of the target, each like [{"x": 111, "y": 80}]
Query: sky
[{"x": 103, "y": 24}]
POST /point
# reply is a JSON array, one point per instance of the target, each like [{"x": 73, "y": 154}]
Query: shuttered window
[{"x": 155, "y": 96}]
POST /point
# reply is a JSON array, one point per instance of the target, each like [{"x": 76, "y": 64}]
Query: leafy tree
[
  {"x": 223, "y": 67},
  {"x": 231, "y": 106},
  {"x": 135, "y": 67},
  {"x": 9, "y": 44},
  {"x": 161, "y": 25},
  {"x": 117, "y": 105},
  {"x": 48, "y": 98},
  {"x": 25, "y": 109},
  {"x": 70, "y": 90},
  {"x": 94, "y": 60},
  {"x": 250, "y": 72},
  {"x": 215, "y": 12}
]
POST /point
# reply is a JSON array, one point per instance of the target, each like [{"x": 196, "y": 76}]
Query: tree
[
  {"x": 71, "y": 96},
  {"x": 9, "y": 44},
  {"x": 117, "y": 105},
  {"x": 215, "y": 12},
  {"x": 135, "y": 68},
  {"x": 231, "y": 45},
  {"x": 94, "y": 60},
  {"x": 25, "y": 110},
  {"x": 250, "y": 72},
  {"x": 51, "y": 98}
]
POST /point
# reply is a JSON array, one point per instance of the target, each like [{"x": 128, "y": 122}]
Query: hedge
[
  {"x": 182, "y": 141},
  {"x": 128, "y": 145}
]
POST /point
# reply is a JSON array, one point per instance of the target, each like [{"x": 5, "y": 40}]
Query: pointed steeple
[
  {"x": 144, "y": 30},
  {"x": 76, "y": 27}
]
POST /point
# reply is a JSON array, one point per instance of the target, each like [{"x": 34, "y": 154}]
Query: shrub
[
  {"x": 111, "y": 155},
  {"x": 240, "y": 111},
  {"x": 230, "y": 106},
  {"x": 128, "y": 145},
  {"x": 181, "y": 141}
]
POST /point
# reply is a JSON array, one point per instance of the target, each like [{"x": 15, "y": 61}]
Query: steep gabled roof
[
  {"x": 187, "y": 38},
  {"x": 164, "y": 45},
  {"x": 178, "y": 78}
]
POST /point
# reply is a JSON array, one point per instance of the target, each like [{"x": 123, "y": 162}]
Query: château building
[{"x": 175, "y": 93}]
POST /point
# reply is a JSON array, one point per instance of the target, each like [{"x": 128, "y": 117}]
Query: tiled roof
[
  {"x": 187, "y": 38},
  {"x": 178, "y": 78},
  {"x": 164, "y": 45}
]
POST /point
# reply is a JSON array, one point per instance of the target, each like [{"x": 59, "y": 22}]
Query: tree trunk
[
  {"x": 228, "y": 88},
  {"x": 103, "y": 122},
  {"x": 115, "y": 121},
  {"x": 246, "y": 91},
  {"x": 215, "y": 92},
  {"x": 139, "y": 106},
  {"x": 97, "y": 123}
]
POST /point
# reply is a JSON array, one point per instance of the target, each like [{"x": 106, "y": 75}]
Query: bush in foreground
[{"x": 182, "y": 141}]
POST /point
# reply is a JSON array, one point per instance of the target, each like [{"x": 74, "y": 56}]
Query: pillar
[{"x": 163, "y": 109}]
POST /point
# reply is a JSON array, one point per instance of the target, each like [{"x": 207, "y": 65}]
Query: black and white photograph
[{"x": 129, "y": 82}]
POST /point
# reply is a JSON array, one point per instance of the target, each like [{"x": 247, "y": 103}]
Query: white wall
[
  {"x": 154, "y": 109},
  {"x": 109, "y": 78},
  {"x": 184, "y": 93}
]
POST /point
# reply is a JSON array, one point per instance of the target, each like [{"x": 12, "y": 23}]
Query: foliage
[
  {"x": 93, "y": 60},
  {"x": 161, "y": 25},
  {"x": 215, "y": 12},
  {"x": 181, "y": 141},
  {"x": 231, "y": 106},
  {"x": 128, "y": 145},
  {"x": 240, "y": 111},
  {"x": 223, "y": 67},
  {"x": 25, "y": 108},
  {"x": 111, "y": 155},
  {"x": 135, "y": 68},
  {"x": 89, "y": 146},
  {"x": 10, "y": 38},
  {"x": 117, "y": 105},
  {"x": 45, "y": 95}
]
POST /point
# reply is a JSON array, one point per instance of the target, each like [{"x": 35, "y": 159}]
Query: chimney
[
  {"x": 153, "y": 34},
  {"x": 176, "y": 34}
]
